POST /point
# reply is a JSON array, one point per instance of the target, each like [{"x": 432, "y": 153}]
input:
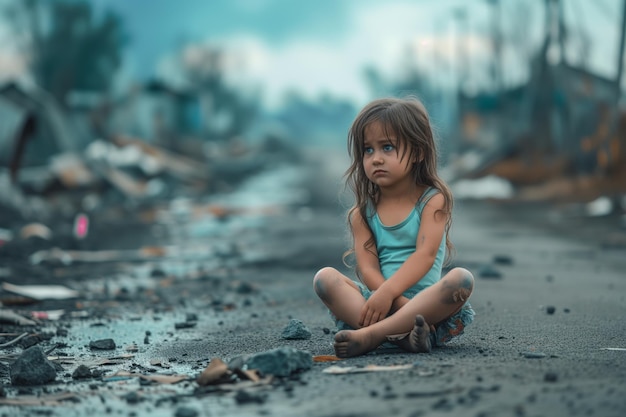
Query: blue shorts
[{"x": 444, "y": 332}]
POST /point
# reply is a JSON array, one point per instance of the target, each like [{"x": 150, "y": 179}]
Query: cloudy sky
[{"x": 323, "y": 45}]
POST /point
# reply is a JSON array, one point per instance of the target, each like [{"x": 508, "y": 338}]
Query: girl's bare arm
[{"x": 366, "y": 259}]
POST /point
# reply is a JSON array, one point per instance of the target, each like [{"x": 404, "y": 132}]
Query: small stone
[
  {"x": 503, "y": 260},
  {"x": 185, "y": 325},
  {"x": 29, "y": 341},
  {"x": 186, "y": 412},
  {"x": 245, "y": 397},
  {"x": 489, "y": 272},
  {"x": 296, "y": 330},
  {"x": 550, "y": 377},
  {"x": 550, "y": 310},
  {"x": 32, "y": 367},
  {"x": 244, "y": 288},
  {"x": 102, "y": 344},
  {"x": 157, "y": 273},
  {"x": 534, "y": 355},
  {"x": 326, "y": 330},
  {"x": 82, "y": 372},
  {"x": 132, "y": 398}
]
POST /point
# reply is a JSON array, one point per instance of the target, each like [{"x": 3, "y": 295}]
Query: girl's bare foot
[
  {"x": 350, "y": 343},
  {"x": 418, "y": 340}
]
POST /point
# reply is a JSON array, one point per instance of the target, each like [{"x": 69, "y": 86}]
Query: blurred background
[{"x": 526, "y": 97}]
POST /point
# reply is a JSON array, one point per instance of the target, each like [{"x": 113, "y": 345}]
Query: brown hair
[{"x": 407, "y": 120}]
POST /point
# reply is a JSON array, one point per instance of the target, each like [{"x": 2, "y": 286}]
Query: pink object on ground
[{"x": 81, "y": 226}]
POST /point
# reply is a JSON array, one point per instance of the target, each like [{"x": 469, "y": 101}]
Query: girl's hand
[{"x": 376, "y": 308}]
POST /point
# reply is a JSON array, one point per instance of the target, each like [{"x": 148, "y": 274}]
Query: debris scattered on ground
[
  {"x": 32, "y": 368},
  {"x": 14, "y": 341},
  {"x": 11, "y": 317},
  {"x": 161, "y": 379},
  {"x": 550, "y": 310},
  {"x": 41, "y": 400},
  {"x": 326, "y": 358},
  {"x": 338, "y": 370},
  {"x": 52, "y": 315},
  {"x": 41, "y": 292},
  {"x": 296, "y": 330},
  {"x": 216, "y": 370}
]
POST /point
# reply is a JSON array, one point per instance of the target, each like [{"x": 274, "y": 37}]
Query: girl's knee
[
  {"x": 459, "y": 283},
  {"x": 463, "y": 278},
  {"x": 322, "y": 279}
]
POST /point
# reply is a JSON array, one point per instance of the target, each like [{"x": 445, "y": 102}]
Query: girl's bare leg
[
  {"x": 434, "y": 304},
  {"x": 342, "y": 297}
]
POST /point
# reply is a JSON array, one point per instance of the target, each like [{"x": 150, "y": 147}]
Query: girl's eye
[
  {"x": 388, "y": 148},
  {"x": 369, "y": 150}
]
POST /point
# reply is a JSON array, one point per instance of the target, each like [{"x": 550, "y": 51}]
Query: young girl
[{"x": 399, "y": 224}]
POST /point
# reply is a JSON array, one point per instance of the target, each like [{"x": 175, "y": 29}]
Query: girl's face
[{"x": 382, "y": 158}]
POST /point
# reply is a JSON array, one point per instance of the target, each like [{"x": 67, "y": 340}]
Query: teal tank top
[{"x": 396, "y": 243}]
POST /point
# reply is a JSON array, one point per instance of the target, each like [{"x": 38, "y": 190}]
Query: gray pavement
[{"x": 541, "y": 345}]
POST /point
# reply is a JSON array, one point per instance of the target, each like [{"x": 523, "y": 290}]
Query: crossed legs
[{"x": 410, "y": 325}]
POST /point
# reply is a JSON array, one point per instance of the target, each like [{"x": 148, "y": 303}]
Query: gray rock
[
  {"x": 281, "y": 361},
  {"x": 296, "y": 329},
  {"x": 32, "y": 368},
  {"x": 102, "y": 344},
  {"x": 489, "y": 272},
  {"x": 533, "y": 355},
  {"x": 82, "y": 372},
  {"x": 186, "y": 412}
]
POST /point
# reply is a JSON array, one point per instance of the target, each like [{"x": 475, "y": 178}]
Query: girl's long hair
[{"x": 406, "y": 120}]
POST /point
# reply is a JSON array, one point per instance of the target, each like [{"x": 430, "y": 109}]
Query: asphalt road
[{"x": 549, "y": 337}]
